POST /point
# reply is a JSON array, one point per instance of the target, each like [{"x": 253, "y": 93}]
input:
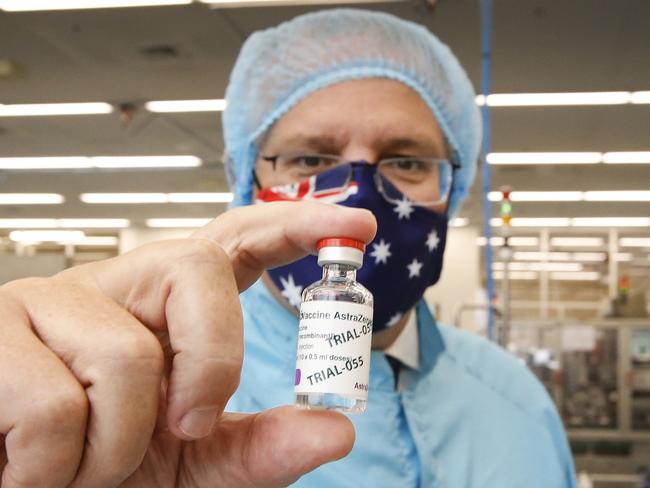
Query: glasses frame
[{"x": 455, "y": 166}]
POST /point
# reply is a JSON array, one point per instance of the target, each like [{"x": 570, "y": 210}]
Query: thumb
[{"x": 267, "y": 450}]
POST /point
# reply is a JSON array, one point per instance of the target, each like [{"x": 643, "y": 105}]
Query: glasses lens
[
  {"x": 421, "y": 180},
  {"x": 299, "y": 167}
]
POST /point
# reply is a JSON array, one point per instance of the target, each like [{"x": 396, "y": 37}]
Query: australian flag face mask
[{"x": 400, "y": 263}]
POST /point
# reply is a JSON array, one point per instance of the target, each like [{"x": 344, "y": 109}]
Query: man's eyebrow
[
  {"x": 312, "y": 141},
  {"x": 409, "y": 144}
]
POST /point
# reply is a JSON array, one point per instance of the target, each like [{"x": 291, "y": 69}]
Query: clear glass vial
[{"x": 333, "y": 357}]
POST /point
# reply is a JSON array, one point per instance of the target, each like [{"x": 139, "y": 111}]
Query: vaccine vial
[{"x": 335, "y": 332}]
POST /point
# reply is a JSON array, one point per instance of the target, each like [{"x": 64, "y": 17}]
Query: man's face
[{"x": 370, "y": 120}]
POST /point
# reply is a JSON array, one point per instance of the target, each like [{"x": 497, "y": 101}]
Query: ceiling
[{"x": 137, "y": 54}]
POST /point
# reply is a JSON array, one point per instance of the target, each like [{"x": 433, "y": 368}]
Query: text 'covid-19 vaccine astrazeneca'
[{"x": 335, "y": 332}]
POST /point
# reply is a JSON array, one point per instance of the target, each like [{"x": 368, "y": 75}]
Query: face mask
[{"x": 400, "y": 263}]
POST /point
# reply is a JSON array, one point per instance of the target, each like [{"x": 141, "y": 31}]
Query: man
[
  {"x": 369, "y": 111},
  {"x": 117, "y": 373}
]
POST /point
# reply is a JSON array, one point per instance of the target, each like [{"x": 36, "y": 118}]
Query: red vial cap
[{"x": 341, "y": 242}]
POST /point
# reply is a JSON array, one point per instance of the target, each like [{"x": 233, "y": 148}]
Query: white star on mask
[
  {"x": 394, "y": 319},
  {"x": 414, "y": 268},
  {"x": 433, "y": 240},
  {"x": 381, "y": 252},
  {"x": 403, "y": 208},
  {"x": 291, "y": 291}
]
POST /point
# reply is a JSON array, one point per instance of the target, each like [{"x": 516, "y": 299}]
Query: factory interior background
[{"x": 134, "y": 154}]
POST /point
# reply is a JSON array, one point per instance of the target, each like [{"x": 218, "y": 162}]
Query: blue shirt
[{"x": 471, "y": 416}]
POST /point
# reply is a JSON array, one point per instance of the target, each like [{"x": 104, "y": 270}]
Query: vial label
[{"x": 334, "y": 348}]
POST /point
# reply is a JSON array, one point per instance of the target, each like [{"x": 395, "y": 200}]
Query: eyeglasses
[{"x": 425, "y": 181}]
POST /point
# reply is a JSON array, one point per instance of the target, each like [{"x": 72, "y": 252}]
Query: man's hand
[{"x": 118, "y": 372}]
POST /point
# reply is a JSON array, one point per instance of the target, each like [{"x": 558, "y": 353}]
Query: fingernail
[{"x": 198, "y": 422}]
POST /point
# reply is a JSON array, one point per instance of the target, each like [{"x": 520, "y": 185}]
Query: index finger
[{"x": 263, "y": 236}]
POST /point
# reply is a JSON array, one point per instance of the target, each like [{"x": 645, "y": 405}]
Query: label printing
[{"x": 334, "y": 348}]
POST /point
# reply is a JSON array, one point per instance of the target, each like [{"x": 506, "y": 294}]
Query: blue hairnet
[{"x": 280, "y": 66}]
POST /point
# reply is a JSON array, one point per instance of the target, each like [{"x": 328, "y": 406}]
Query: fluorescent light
[
  {"x": 28, "y": 224},
  {"x": 458, "y": 222},
  {"x": 63, "y": 237},
  {"x": 123, "y": 197},
  {"x": 32, "y": 5},
  {"x": 570, "y": 98},
  {"x": 590, "y": 257},
  {"x": 83, "y": 162},
  {"x": 617, "y": 196},
  {"x": 41, "y": 109},
  {"x": 263, "y": 3},
  {"x": 217, "y": 105},
  {"x": 515, "y": 275},
  {"x": 575, "y": 222},
  {"x": 145, "y": 161},
  {"x": 573, "y": 196},
  {"x": 577, "y": 241},
  {"x": 610, "y": 222},
  {"x": 107, "y": 241},
  {"x": 63, "y": 223},
  {"x": 624, "y": 256},
  {"x": 34, "y": 236},
  {"x": 627, "y": 157},
  {"x": 513, "y": 241},
  {"x": 641, "y": 97},
  {"x": 534, "y": 222},
  {"x": 31, "y": 199},
  {"x": 177, "y": 223},
  {"x": 74, "y": 162},
  {"x": 547, "y": 99},
  {"x": 576, "y": 276},
  {"x": 634, "y": 242},
  {"x": 544, "y": 158},
  {"x": 539, "y": 256},
  {"x": 537, "y": 196},
  {"x": 93, "y": 223},
  {"x": 217, "y": 197},
  {"x": 127, "y": 198},
  {"x": 519, "y": 266}
]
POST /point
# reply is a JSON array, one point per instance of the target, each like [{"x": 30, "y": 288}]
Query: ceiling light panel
[
  {"x": 519, "y": 266},
  {"x": 641, "y": 97},
  {"x": 140, "y": 198},
  {"x": 49, "y": 109},
  {"x": 577, "y": 241},
  {"x": 534, "y": 222},
  {"x": 513, "y": 241},
  {"x": 171, "y": 106},
  {"x": 634, "y": 242},
  {"x": 33, "y": 236},
  {"x": 617, "y": 196},
  {"x": 550, "y": 99},
  {"x": 99, "y": 162},
  {"x": 575, "y": 276},
  {"x": 177, "y": 223},
  {"x": 33, "y": 5},
  {"x": 544, "y": 158},
  {"x": 31, "y": 199},
  {"x": 63, "y": 223},
  {"x": 538, "y": 196},
  {"x": 264, "y": 3},
  {"x": 627, "y": 157},
  {"x": 610, "y": 222}
]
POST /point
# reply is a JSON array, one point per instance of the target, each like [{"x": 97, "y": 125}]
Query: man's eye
[
  {"x": 407, "y": 164},
  {"x": 311, "y": 162}
]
